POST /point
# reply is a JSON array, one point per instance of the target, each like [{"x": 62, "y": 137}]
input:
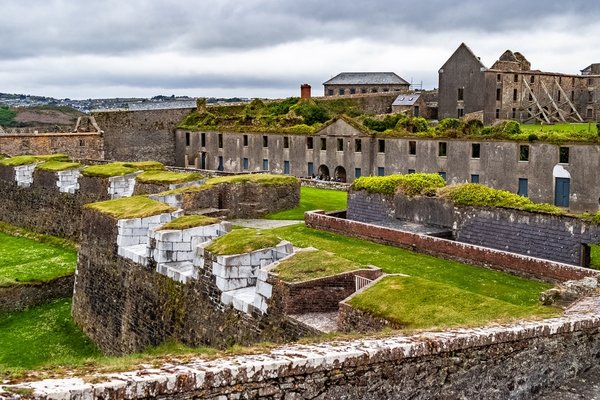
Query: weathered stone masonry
[{"x": 495, "y": 363}]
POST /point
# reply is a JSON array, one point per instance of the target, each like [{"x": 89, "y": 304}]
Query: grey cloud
[{"x": 112, "y": 27}]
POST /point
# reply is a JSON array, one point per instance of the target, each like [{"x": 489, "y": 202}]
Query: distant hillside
[{"x": 49, "y": 117}]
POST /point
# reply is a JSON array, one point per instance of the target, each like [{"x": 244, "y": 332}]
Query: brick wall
[
  {"x": 472, "y": 254},
  {"x": 321, "y": 295}
]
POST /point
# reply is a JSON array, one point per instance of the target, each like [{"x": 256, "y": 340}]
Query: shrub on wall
[
  {"x": 474, "y": 194},
  {"x": 409, "y": 184}
]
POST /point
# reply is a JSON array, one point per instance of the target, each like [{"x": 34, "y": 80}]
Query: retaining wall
[
  {"x": 472, "y": 254},
  {"x": 556, "y": 238},
  {"x": 491, "y": 363},
  {"x": 23, "y": 296},
  {"x": 77, "y": 146}
]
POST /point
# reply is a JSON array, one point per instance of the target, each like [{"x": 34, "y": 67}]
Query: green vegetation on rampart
[
  {"x": 24, "y": 260},
  {"x": 7, "y": 116},
  {"x": 27, "y": 160},
  {"x": 131, "y": 207},
  {"x": 420, "y": 184},
  {"x": 58, "y": 166},
  {"x": 167, "y": 177},
  {"x": 291, "y": 115},
  {"x": 241, "y": 241},
  {"x": 313, "y": 199},
  {"x": 119, "y": 168},
  {"x": 190, "y": 221},
  {"x": 475, "y": 194},
  {"x": 259, "y": 179},
  {"x": 306, "y": 265},
  {"x": 483, "y": 295}
]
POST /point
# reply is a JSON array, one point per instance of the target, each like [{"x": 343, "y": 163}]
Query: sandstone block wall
[{"x": 78, "y": 146}]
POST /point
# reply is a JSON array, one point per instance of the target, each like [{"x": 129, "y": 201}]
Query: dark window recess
[
  {"x": 516, "y": 78},
  {"x": 498, "y": 94},
  {"x": 309, "y": 143},
  {"x": 460, "y": 112},
  {"x": 203, "y": 140},
  {"x": 380, "y": 171},
  {"x": 442, "y": 149},
  {"x": 246, "y": 163},
  {"x": 442, "y": 174},
  {"x": 352, "y": 91},
  {"x": 572, "y": 95},
  {"x": 381, "y": 146},
  {"x": 220, "y": 140},
  {"x": 514, "y": 113},
  {"x": 245, "y": 140},
  {"x": 558, "y": 96},
  {"x": 81, "y": 142},
  {"x": 221, "y": 165},
  {"x": 475, "y": 150},
  {"x": 342, "y": 92},
  {"x": 411, "y": 171},
  {"x": 412, "y": 147},
  {"x": 265, "y": 141},
  {"x": 187, "y": 138},
  {"x": 357, "y": 173},
  {"x": 358, "y": 145},
  {"x": 523, "y": 153},
  {"x": 330, "y": 92},
  {"x": 523, "y": 190},
  {"x": 286, "y": 167},
  {"x": 340, "y": 144},
  {"x": 323, "y": 143},
  {"x": 363, "y": 90},
  {"x": 310, "y": 169},
  {"x": 497, "y": 113},
  {"x": 265, "y": 164},
  {"x": 515, "y": 94},
  {"x": 532, "y": 79},
  {"x": 461, "y": 94},
  {"x": 499, "y": 77},
  {"x": 474, "y": 178},
  {"x": 563, "y": 155},
  {"x": 286, "y": 142}
]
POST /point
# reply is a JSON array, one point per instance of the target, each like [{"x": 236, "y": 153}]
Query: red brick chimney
[{"x": 305, "y": 91}]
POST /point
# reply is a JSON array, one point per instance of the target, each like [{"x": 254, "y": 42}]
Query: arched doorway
[
  {"x": 323, "y": 172},
  {"x": 339, "y": 175}
]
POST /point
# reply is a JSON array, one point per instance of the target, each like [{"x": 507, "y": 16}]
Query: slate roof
[
  {"x": 406, "y": 99},
  {"x": 366, "y": 78}
]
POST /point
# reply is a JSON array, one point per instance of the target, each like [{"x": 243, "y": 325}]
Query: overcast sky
[{"x": 267, "y": 48}]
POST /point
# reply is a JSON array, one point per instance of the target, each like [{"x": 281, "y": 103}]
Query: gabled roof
[
  {"x": 366, "y": 78},
  {"x": 464, "y": 48},
  {"x": 406, "y": 99}
]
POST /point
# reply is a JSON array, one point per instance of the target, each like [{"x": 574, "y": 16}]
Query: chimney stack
[{"x": 305, "y": 91}]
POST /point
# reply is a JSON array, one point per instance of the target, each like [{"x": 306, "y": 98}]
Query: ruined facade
[
  {"x": 510, "y": 89},
  {"x": 545, "y": 172}
]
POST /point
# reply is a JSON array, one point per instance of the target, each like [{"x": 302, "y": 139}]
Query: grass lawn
[
  {"x": 313, "y": 199},
  {"x": 563, "y": 131},
  {"x": 506, "y": 296},
  {"x": 305, "y": 265},
  {"x": 243, "y": 240},
  {"x": 595, "y": 255},
  {"x": 25, "y": 260}
]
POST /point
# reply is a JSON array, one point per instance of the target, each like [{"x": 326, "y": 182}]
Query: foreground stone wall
[
  {"x": 125, "y": 307},
  {"x": 463, "y": 252},
  {"x": 140, "y": 135},
  {"x": 492, "y": 363}
]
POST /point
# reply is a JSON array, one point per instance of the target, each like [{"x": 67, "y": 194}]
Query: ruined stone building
[
  {"x": 510, "y": 89},
  {"x": 347, "y": 83}
]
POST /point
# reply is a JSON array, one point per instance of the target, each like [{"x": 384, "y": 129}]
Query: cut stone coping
[
  {"x": 295, "y": 359},
  {"x": 264, "y": 223}
]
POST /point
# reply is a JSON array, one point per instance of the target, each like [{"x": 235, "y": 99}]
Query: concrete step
[
  {"x": 240, "y": 299},
  {"x": 182, "y": 271},
  {"x": 324, "y": 322},
  {"x": 137, "y": 253}
]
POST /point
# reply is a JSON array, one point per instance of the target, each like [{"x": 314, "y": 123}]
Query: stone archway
[
  {"x": 323, "y": 172},
  {"x": 339, "y": 175}
]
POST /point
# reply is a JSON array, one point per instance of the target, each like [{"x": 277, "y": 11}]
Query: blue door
[
  {"x": 562, "y": 191},
  {"x": 286, "y": 167},
  {"x": 523, "y": 189}
]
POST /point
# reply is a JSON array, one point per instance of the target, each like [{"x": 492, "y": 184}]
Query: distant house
[
  {"x": 410, "y": 103},
  {"x": 347, "y": 83}
]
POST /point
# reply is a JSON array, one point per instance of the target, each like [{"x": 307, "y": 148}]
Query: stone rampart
[
  {"x": 439, "y": 247},
  {"x": 23, "y": 296},
  {"x": 77, "y": 145},
  {"x": 490, "y": 363}
]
